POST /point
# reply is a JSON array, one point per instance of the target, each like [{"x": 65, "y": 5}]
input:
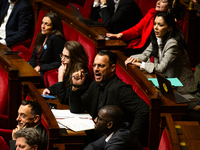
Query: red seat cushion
[
  {"x": 127, "y": 79},
  {"x": 164, "y": 141},
  {"x": 3, "y": 144},
  {"x": 3, "y": 91},
  {"x": 50, "y": 77},
  {"x": 6, "y": 134}
]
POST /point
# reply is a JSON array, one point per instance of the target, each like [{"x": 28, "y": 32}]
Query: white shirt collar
[{"x": 108, "y": 138}]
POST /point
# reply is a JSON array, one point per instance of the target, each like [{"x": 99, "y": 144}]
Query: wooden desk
[
  {"x": 26, "y": 71},
  {"x": 184, "y": 134},
  {"x": 92, "y": 33},
  {"x": 18, "y": 70},
  {"x": 57, "y": 137}
]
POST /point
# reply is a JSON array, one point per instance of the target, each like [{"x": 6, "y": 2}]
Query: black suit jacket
[
  {"x": 122, "y": 139},
  {"x": 41, "y": 129},
  {"x": 50, "y": 55},
  {"x": 127, "y": 15},
  {"x": 20, "y": 23},
  {"x": 117, "y": 93}
]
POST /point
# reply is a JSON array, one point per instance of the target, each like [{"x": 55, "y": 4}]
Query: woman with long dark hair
[
  {"x": 169, "y": 51},
  {"x": 74, "y": 58},
  {"x": 48, "y": 44}
]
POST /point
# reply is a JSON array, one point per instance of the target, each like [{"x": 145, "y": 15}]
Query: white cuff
[
  {"x": 3, "y": 42},
  {"x": 142, "y": 66}
]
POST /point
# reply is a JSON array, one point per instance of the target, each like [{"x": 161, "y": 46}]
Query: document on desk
[{"x": 75, "y": 122}]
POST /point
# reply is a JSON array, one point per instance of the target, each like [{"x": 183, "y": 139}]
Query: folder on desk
[{"x": 174, "y": 81}]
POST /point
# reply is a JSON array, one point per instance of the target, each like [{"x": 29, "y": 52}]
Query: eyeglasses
[{"x": 64, "y": 56}]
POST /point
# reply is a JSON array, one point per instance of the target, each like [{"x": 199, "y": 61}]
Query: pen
[{"x": 74, "y": 76}]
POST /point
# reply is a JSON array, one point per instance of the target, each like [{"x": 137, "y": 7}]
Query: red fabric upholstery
[
  {"x": 3, "y": 98},
  {"x": 127, "y": 79},
  {"x": 165, "y": 141},
  {"x": 85, "y": 11},
  {"x": 6, "y": 134},
  {"x": 25, "y": 52},
  {"x": 3, "y": 144},
  {"x": 50, "y": 77},
  {"x": 146, "y": 5},
  {"x": 89, "y": 48},
  {"x": 26, "y": 43},
  {"x": 3, "y": 91}
]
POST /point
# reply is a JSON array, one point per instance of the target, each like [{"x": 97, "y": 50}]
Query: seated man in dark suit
[
  {"x": 108, "y": 89},
  {"x": 16, "y": 21},
  {"x": 29, "y": 116},
  {"x": 118, "y": 15},
  {"x": 110, "y": 121},
  {"x": 28, "y": 139}
]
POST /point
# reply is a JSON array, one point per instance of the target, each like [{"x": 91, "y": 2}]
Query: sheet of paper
[
  {"x": 77, "y": 124},
  {"x": 58, "y": 113},
  {"x": 174, "y": 81}
]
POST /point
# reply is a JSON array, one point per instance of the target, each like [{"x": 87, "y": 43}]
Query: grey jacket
[{"x": 172, "y": 63}]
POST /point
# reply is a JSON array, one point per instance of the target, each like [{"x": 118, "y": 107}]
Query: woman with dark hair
[
  {"x": 138, "y": 36},
  {"x": 169, "y": 50},
  {"x": 48, "y": 44},
  {"x": 74, "y": 58}
]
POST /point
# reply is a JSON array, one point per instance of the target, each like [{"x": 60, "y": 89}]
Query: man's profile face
[
  {"x": 103, "y": 71},
  {"x": 22, "y": 145},
  {"x": 101, "y": 121},
  {"x": 25, "y": 118}
]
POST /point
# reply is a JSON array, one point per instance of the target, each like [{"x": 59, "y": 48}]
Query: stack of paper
[{"x": 75, "y": 122}]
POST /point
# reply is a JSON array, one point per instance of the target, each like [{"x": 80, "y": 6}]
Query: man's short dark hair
[
  {"x": 36, "y": 108},
  {"x": 31, "y": 135},
  {"x": 112, "y": 56},
  {"x": 114, "y": 113}
]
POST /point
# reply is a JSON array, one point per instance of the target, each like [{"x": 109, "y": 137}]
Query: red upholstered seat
[
  {"x": 127, "y": 79},
  {"x": 165, "y": 141},
  {"x": 6, "y": 135},
  {"x": 85, "y": 10},
  {"x": 3, "y": 98},
  {"x": 25, "y": 52},
  {"x": 146, "y": 5},
  {"x": 3, "y": 144},
  {"x": 50, "y": 77}
]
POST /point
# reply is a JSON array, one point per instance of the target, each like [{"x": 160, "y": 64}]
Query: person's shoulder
[
  {"x": 24, "y": 3},
  {"x": 56, "y": 37},
  {"x": 172, "y": 41},
  {"x": 152, "y": 11}
]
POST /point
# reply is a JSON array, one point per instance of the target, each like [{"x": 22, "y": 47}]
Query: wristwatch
[{"x": 103, "y": 4}]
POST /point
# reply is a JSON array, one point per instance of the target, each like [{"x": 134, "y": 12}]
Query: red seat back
[
  {"x": 128, "y": 80},
  {"x": 3, "y": 91},
  {"x": 3, "y": 144},
  {"x": 165, "y": 141}
]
